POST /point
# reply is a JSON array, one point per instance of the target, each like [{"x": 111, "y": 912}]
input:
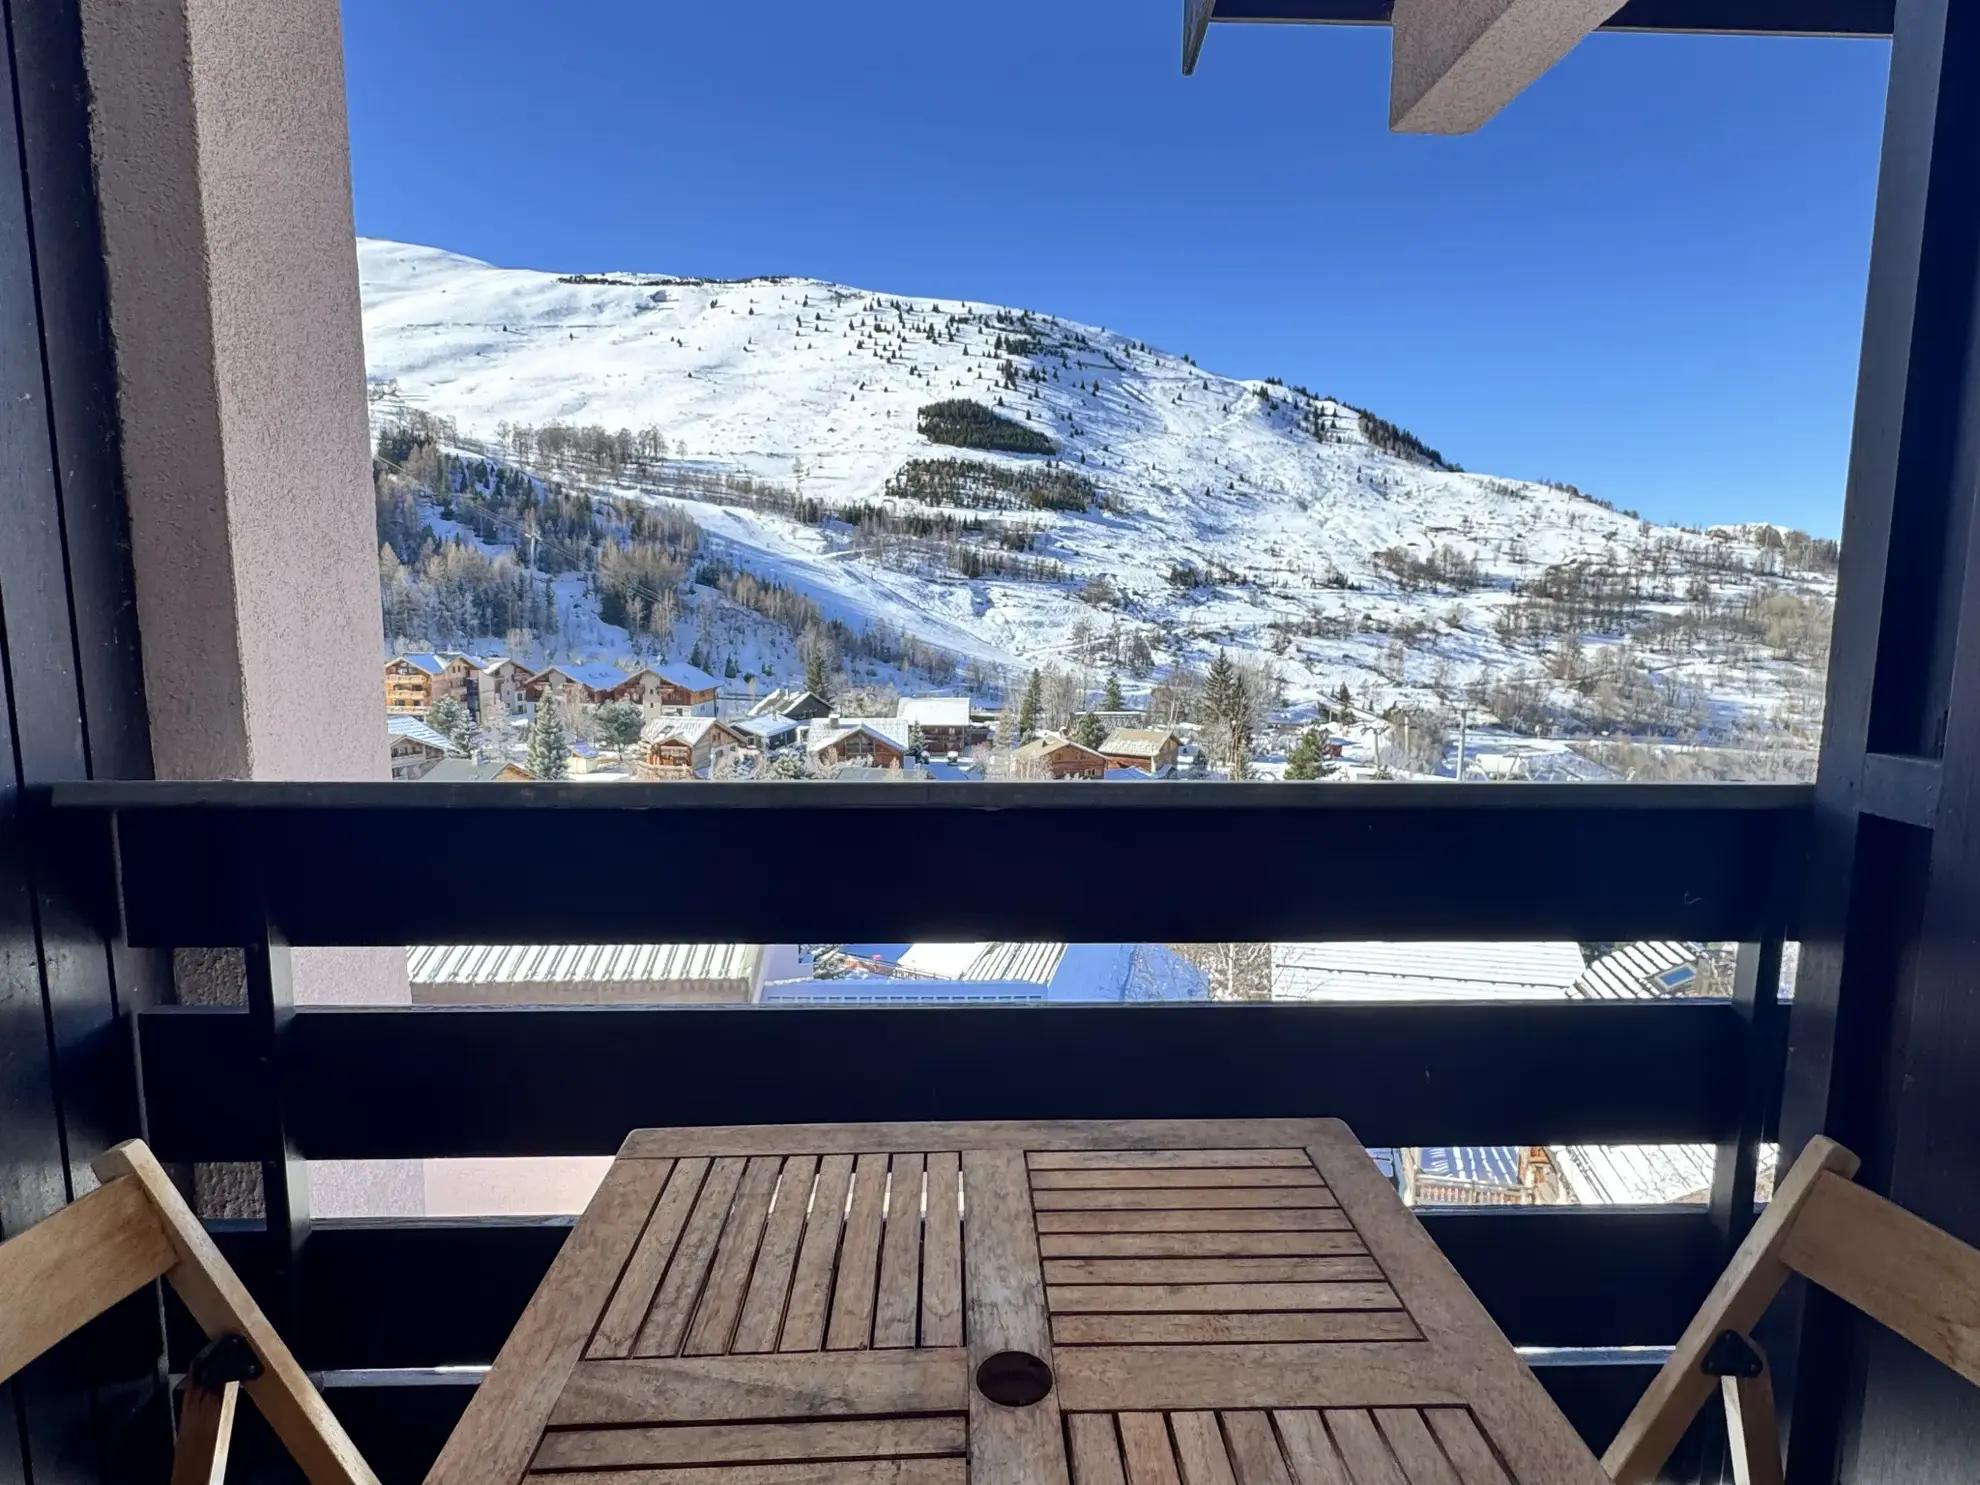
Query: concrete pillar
[{"x": 223, "y": 173}]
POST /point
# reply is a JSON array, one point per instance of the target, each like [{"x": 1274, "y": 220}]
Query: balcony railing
[{"x": 380, "y": 1305}]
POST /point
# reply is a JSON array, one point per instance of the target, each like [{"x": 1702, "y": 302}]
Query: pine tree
[
  {"x": 1308, "y": 760},
  {"x": 1226, "y": 712},
  {"x": 450, "y": 719},
  {"x": 1088, "y": 730},
  {"x": 1029, "y": 708},
  {"x": 1112, "y": 701},
  {"x": 814, "y": 671},
  {"x": 731, "y": 670},
  {"x": 549, "y": 755},
  {"x": 1343, "y": 697},
  {"x": 696, "y": 658},
  {"x": 619, "y": 724}
]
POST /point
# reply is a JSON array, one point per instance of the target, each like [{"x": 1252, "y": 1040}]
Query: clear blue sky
[{"x": 1645, "y": 277}]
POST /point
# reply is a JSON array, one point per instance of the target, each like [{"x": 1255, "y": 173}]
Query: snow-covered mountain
[{"x": 1226, "y": 512}]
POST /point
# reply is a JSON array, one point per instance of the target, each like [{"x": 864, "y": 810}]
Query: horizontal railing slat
[
  {"x": 432, "y": 1081},
  {"x": 201, "y": 865}
]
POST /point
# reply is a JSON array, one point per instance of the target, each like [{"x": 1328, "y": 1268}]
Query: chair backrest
[
  {"x": 1895, "y": 1267},
  {"x": 62, "y": 1273}
]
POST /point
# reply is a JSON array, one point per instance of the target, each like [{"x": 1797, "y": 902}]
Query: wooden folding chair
[
  {"x": 64, "y": 1272},
  {"x": 1896, "y": 1268}
]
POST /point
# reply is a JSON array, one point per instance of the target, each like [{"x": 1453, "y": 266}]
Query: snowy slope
[{"x": 816, "y": 385}]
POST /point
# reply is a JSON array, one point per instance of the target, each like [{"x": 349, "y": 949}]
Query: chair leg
[
  {"x": 206, "y": 1427},
  {"x": 1755, "y": 1432}
]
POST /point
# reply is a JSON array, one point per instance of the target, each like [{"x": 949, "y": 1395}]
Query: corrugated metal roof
[
  {"x": 1428, "y": 971},
  {"x": 1640, "y": 1175},
  {"x": 1640, "y": 971},
  {"x": 534, "y": 964},
  {"x": 1031, "y": 963},
  {"x": 1483, "y": 1165}
]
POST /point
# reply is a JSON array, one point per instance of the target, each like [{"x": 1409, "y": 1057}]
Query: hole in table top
[{"x": 1015, "y": 1379}]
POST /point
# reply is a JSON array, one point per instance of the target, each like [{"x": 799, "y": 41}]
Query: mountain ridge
[{"x": 1226, "y": 513}]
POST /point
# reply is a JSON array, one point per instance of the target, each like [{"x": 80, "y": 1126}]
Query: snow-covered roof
[
  {"x": 431, "y": 664},
  {"x": 1426, "y": 971},
  {"x": 417, "y": 730},
  {"x": 687, "y": 677},
  {"x": 471, "y": 771},
  {"x": 533, "y": 964},
  {"x": 1051, "y": 742},
  {"x": 770, "y": 728},
  {"x": 1137, "y": 742},
  {"x": 690, "y": 730},
  {"x": 934, "y": 711},
  {"x": 598, "y": 675},
  {"x": 823, "y": 732},
  {"x": 1118, "y": 775},
  {"x": 783, "y": 700}
]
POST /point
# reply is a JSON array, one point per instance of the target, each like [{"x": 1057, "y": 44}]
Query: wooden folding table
[{"x": 1149, "y": 1303}]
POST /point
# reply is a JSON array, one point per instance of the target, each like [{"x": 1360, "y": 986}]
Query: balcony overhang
[{"x": 1455, "y": 65}]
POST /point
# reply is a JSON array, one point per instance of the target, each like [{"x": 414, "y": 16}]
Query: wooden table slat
[
  {"x": 770, "y": 1282},
  {"x": 897, "y": 1304},
  {"x": 1209, "y": 1303},
  {"x": 1096, "y": 1450},
  {"x": 1458, "y": 1431},
  {"x": 1254, "y": 1449},
  {"x": 1145, "y": 1445},
  {"x": 1206, "y": 1330},
  {"x": 851, "y": 1328},
  {"x": 735, "y": 1256},
  {"x": 665, "y": 1326},
  {"x": 811, "y": 1288},
  {"x": 1310, "y": 1453},
  {"x": 941, "y": 1254}
]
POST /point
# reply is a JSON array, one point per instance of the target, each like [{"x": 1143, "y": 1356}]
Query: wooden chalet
[
  {"x": 1053, "y": 755},
  {"x": 414, "y": 682},
  {"x": 943, "y": 721},
  {"x": 683, "y": 747},
  {"x": 882, "y": 741},
  {"x": 1150, "y": 749}
]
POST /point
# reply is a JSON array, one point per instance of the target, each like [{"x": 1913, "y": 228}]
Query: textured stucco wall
[
  {"x": 223, "y": 172},
  {"x": 225, "y": 178}
]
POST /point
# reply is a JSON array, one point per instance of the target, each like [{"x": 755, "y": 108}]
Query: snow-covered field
[{"x": 815, "y": 386}]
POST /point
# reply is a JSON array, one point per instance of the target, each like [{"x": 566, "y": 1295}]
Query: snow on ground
[{"x": 815, "y": 386}]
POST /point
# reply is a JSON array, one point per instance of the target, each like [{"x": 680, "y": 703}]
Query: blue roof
[
  {"x": 687, "y": 677},
  {"x": 943, "y": 772},
  {"x": 1494, "y": 1165},
  {"x": 431, "y": 664}
]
